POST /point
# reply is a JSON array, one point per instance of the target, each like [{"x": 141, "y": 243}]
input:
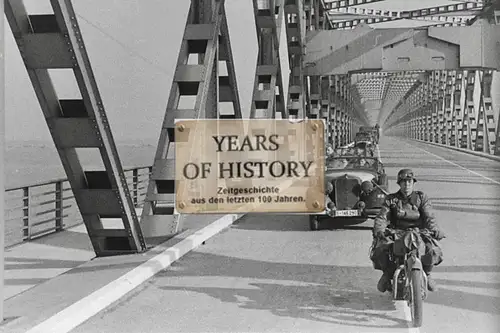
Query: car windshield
[{"x": 353, "y": 162}]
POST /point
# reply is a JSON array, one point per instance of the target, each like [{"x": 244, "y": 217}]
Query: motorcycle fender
[
  {"x": 414, "y": 264},
  {"x": 397, "y": 272},
  {"x": 395, "y": 288}
]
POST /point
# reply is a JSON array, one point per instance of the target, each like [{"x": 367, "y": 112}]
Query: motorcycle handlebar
[
  {"x": 389, "y": 232},
  {"x": 421, "y": 231},
  {"x": 392, "y": 232}
]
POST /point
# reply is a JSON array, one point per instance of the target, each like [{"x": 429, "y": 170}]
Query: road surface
[{"x": 271, "y": 274}]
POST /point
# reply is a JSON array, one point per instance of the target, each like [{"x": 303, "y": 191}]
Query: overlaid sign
[{"x": 249, "y": 165}]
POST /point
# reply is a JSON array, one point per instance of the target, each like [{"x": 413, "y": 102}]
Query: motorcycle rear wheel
[{"x": 416, "y": 302}]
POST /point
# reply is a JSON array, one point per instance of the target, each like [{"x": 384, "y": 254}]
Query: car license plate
[{"x": 350, "y": 212}]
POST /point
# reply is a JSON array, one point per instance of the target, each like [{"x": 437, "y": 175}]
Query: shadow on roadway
[
  {"x": 326, "y": 293},
  {"x": 487, "y": 206},
  {"x": 464, "y": 299},
  {"x": 473, "y": 166},
  {"x": 467, "y": 209},
  {"x": 318, "y": 303},
  {"x": 66, "y": 239},
  {"x": 292, "y": 223},
  {"x": 303, "y": 291},
  {"x": 22, "y": 263},
  {"x": 465, "y": 198},
  {"x": 272, "y": 222},
  {"x": 449, "y": 179}
]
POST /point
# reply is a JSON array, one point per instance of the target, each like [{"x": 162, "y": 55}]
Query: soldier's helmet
[
  {"x": 367, "y": 186},
  {"x": 328, "y": 188},
  {"x": 329, "y": 150},
  {"x": 406, "y": 174}
]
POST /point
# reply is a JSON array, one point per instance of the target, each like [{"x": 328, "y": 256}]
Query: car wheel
[{"x": 313, "y": 222}]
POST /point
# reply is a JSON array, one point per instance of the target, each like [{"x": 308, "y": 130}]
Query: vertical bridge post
[{"x": 197, "y": 81}]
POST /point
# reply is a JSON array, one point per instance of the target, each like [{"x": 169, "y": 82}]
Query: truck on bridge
[{"x": 372, "y": 131}]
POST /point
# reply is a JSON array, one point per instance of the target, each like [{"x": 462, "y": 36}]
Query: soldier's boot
[
  {"x": 384, "y": 283},
  {"x": 431, "y": 284},
  {"x": 388, "y": 268}
]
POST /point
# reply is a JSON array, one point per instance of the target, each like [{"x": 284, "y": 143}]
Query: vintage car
[
  {"x": 373, "y": 132},
  {"x": 356, "y": 187},
  {"x": 366, "y": 141},
  {"x": 360, "y": 149}
]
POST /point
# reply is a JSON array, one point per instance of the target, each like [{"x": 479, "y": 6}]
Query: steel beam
[
  {"x": 2, "y": 163},
  {"x": 488, "y": 12},
  {"x": 336, "y": 101},
  {"x": 269, "y": 15},
  {"x": 403, "y": 104},
  {"x": 461, "y": 113},
  {"x": 436, "y": 13},
  {"x": 295, "y": 32},
  {"x": 332, "y": 4},
  {"x": 456, "y": 93},
  {"x": 206, "y": 36},
  {"x": 51, "y": 41},
  {"x": 366, "y": 49}
]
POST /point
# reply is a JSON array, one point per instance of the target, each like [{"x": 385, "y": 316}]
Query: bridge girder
[
  {"x": 453, "y": 108},
  {"x": 400, "y": 49},
  {"x": 430, "y": 15},
  {"x": 324, "y": 82}
]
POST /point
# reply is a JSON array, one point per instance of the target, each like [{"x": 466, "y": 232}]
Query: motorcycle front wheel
[{"x": 416, "y": 301}]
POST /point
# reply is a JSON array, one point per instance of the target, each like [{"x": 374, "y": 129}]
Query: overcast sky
[{"x": 133, "y": 46}]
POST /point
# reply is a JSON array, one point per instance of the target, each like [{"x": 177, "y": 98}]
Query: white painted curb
[{"x": 77, "y": 313}]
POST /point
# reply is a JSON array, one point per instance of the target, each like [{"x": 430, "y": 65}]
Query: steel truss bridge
[{"x": 434, "y": 81}]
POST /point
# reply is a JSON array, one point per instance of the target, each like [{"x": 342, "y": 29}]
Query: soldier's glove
[
  {"x": 398, "y": 213},
  {"x": 439, "y": 234}
]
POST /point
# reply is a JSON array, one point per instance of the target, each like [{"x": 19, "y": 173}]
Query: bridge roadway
[{"x": 271, "y": 274}]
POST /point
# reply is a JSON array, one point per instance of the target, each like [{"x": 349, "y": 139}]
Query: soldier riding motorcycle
[{"x": 401, "y": 211}]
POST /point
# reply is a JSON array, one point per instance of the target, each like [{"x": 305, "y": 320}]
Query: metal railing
[{"x": 37, "y": 210}]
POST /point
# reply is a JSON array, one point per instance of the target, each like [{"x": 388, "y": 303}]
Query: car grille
[{"x": 346, "y": 192}]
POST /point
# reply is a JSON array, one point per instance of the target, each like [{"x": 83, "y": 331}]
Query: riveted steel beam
[
  {"x": 50, "y": 41},
  {"x": 403, "y": 104},
  {"x": 329, "y": 4},
  {"x": 206, "y": 36},
  {"x": 436, "y": 13},
  {"x": 489, "y": 13},
  {"x": 469, "y": 112},
  {"x": 461, "y": 112},
  {"x": 485, "y": 140},
  {"x": 296, "y": 32},
  {"x": 269, "y": 15}
]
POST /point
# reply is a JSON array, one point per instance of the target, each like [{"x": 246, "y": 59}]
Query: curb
[
  {"x": 467, "y": 151},
  {"x": 80, "y": 311}
]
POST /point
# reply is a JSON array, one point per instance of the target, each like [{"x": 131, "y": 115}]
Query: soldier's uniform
[
  {"x": 377, "y": 133},
  {"x": 400, "y": 212}
]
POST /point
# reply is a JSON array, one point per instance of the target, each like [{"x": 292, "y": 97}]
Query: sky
[
  {"x": 134, "y": 81},
  {"x": 133, "y": 47}
]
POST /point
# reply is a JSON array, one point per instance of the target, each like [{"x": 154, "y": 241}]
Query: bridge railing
[{"x": 44, "y": 208}]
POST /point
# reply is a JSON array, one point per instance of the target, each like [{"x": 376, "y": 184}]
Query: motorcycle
[{"x": 409, "y": 281}]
